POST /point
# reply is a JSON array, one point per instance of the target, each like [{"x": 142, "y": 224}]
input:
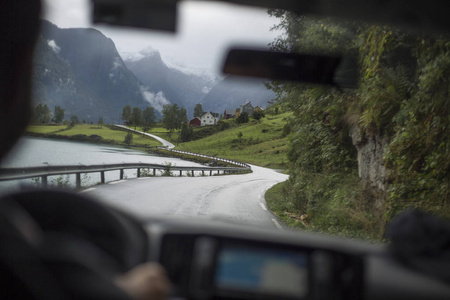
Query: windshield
[{"x": 278, "y": 154}]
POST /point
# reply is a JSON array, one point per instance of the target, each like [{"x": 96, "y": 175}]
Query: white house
[{"x": 209, "y": 118}]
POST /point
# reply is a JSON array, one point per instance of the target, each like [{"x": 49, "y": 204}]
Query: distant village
[{"x": 210, "y": 118}]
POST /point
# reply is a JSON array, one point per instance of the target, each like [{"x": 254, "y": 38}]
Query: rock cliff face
[
  {"x": 81, "y": 71},
  {"x": 371, "y": 166}
]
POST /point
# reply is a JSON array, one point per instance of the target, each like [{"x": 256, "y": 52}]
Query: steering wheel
[{"x": 79, "y": 243}]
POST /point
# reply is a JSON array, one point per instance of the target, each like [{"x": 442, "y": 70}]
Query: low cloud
[
  {"x": 206, "y": 90},
  {"x": 157, "y": 101},
  {"x": 117, "y": 63},
  {"x": 53, "y": 45}
]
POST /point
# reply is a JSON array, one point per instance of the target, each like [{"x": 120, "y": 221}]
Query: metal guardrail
[
  {"x": 7, "y": 174},
  {"x": 243, "y": 165},
  {"x": 171, "y": 148}
]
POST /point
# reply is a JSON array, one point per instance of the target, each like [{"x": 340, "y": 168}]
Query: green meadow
[
  {"x": 91, "y": 133},
  {"x": 260, "y": 142}
]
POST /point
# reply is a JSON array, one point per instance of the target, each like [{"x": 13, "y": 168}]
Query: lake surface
[{"x": 30, "y": 152}]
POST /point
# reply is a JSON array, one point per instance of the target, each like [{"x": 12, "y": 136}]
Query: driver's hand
[{"x": 145, "y": 282}]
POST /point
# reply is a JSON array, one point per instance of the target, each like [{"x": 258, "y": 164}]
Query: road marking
[
  {"x": 143, "y": 178},
  {"x": 86, "y": 190},
  {"x": 263, "y": 206},
  {"x": 116, "y": 182},
  {"x": 277, "y": 224},
  {"x": 261, "y": 196}
]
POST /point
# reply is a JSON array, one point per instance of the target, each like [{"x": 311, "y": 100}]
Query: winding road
[
  {"x": 236, "y": 198},
  {"x": 161, "y": 140}
]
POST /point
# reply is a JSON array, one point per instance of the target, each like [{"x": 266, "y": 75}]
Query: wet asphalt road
[{"x": 238, "y": 198}]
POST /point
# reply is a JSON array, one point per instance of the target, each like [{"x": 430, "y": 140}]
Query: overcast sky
[{"x": 205, "y": 30}]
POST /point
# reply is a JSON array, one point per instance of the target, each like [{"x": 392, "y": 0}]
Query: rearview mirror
[{"x": 318, "y": 69}]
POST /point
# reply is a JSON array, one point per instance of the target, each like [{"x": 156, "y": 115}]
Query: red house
[{"x": 195, "y": 122}]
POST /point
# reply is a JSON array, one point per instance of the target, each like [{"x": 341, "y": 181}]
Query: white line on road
[
  {"x": 263, "y": 206},
  {"x": 86, "y": 190},
  {"x": 277, "y": 224},
  {"x": 262, "y": 195},
  {"x": 116, "y": 182},
  {"x": 143, "y": 178}
]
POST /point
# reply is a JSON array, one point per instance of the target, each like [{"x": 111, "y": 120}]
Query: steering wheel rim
[{"x": 116, "y": 233}]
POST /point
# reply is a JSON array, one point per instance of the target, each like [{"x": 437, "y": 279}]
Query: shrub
[
  {"x": 258, "y": 114},
  {"x": 167, "y": 169},
  {"x": 128, "y": 138},
  {"x": 96, "y": 138},
  {"x": 243, "y": 118}
]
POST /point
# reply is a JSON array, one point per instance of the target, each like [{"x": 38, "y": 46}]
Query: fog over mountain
[
  {"x": 187, "y": 88},
  {"x": 177, "y": 85},
  {"x": 81, "y": 70}
]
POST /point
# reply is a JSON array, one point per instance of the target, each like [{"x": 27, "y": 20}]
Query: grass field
[
  {"x": 83, "y": 131},
  {"x": 257, "y": 142},
  {"x": 45, "y": 129}
]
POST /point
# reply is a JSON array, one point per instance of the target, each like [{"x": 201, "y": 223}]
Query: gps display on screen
[{"x": 265, "y": 271}]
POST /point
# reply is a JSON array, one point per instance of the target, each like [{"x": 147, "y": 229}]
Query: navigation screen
[{"x": 267, "y": 271}]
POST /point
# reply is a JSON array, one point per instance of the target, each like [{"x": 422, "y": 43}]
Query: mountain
[
  {"x": 188, "y": 88},
  {"x": 81, "y": 71},
  {"x": 231, "y": 93},
  {"x": 178, "y": 86}
]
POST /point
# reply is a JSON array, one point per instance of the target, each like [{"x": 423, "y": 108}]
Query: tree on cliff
[{"x": 402, "y": 105}]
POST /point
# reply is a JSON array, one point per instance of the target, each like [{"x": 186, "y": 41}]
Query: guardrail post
[
  {"x": 193, "y": 173},
  {"x": 210, "y": 172},
  {"x": 203, "y": 172},
  {"x": 44, "y": 181},
  {"x": 78, "y": 180},
  {"x": 181, "y": 173},
  {"x": 121, "y": 174},
  {"x": 102, "y": 176},
  {"x": 138, "y": 172},
  {"x": 154, "y": 172}
]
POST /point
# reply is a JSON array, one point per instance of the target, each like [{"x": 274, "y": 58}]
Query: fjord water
[{"x": 35, "y": 152}]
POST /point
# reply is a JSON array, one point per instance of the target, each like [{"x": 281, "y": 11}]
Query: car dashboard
[
  {"x": 217, "y": 260},
  {"x": 203, "y": 258}
]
